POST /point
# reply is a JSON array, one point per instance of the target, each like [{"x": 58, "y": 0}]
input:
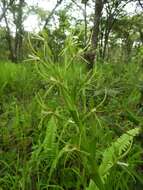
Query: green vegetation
[
  {"x": 63, "y": 127},
  {"x": 71, "y": 95}
]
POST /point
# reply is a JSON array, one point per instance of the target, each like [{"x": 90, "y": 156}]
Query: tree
[
  {"x": 3, "y": 44},
  {"x": 19, "y": 30},
  {"x": 91, "y": 54},
  {"x": 15, "y": 11},
  {"x": 52, "y": 12},
  {"x": 8, "y": 32},
  {"x": 85, "y": 21},
  {"x": 113, "y": 10},
  {"x": 96, "y": 27},
  {"x": 6, "y": 8},
  {"x": 129, "y": 38}
]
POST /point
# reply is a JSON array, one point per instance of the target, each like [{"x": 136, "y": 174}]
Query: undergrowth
[{"x": 64, "y": 127}]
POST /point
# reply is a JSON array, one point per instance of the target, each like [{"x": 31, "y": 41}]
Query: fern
[
  {"x": 49, "y": 144},
  {"x": 48, "y": 148},
  {"x": 116, "y": 151}
]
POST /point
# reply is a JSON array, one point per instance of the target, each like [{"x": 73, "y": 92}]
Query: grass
[{"x": 63, "y": 127}]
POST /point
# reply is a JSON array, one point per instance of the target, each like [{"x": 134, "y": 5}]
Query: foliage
[{"x": 64, "y": 127}]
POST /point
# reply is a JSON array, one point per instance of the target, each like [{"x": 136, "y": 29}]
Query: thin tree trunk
[
  {"x": 141, "y": 35},
  {"x": 85, "y": 24},
  {"x": 9, "y": 40},
  {"x": 106, "y": 37},
  {"x": 8, "y": 34},
  {"x": 19, "y": 32}
]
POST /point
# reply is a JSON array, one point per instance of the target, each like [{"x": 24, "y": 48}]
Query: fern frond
[
  {"x": 116, "y": 151},
  {"x": 49, "y": 144}
]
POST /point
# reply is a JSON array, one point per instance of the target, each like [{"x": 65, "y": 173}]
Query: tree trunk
[
  {"x": 106, "y": 37},
  {"x": 90, "y": 55},
  {"x": 19, "y": 32},
  {"x": 85, "y": 24},
  {"x": 8, "y": 34},
  {"x": 141, "y": 36},
  {"x": 96, "y": 27}
]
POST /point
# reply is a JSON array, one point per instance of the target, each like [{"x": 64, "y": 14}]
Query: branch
[
  {"x": 141, "y": 4},
  {"x": 5, "y": 9},
  {"x": 52, "y": 12},
  {"x": 80, "y": 7}
]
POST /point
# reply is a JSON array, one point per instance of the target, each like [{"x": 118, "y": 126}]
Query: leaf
[
  {"x": 49, "y": 143},
  {"x": 92, "y": 186},
  {"x": 116, "y": 151}
]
